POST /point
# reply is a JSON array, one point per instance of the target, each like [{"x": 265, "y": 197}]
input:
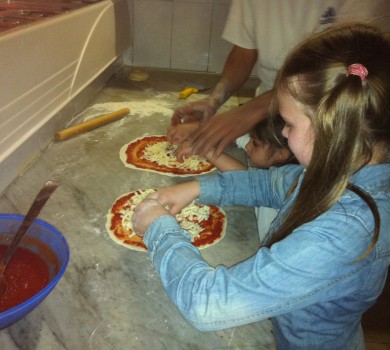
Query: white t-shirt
[{"x": 274, "y": 27}]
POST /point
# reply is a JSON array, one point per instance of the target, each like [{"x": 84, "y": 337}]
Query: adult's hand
[
  {"x": 224, "y": 128},
  {"x": 179, "y": 133},
  {"x": 184, "y": 151},
  {"x": 195, "y": 112}
]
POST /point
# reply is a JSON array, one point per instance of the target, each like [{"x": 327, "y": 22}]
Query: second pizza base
[{"x": 206, "y": 224}]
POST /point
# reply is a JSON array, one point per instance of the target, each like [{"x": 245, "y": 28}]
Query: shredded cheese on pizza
[
  {"x": 188, "y": 218},
  {"x": 161, "y": 153}
]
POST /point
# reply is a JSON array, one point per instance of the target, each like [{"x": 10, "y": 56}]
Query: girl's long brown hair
[{"x": 349, "y": 115}]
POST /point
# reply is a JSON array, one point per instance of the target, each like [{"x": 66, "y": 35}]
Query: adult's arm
[{"x": 237, "y": 69}]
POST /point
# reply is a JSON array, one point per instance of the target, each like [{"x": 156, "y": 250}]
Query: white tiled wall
[{"x": 178, "y": 34}]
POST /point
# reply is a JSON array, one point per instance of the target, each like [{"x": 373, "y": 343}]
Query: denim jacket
[{"x": 310, "y": 283}]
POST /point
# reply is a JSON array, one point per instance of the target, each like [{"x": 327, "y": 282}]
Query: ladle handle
[{"x": 39, "y": 202}]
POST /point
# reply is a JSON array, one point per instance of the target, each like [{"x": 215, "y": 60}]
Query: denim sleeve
[
  {"x": 253, "y": 187},
  {"x": 313, "y": 264}
]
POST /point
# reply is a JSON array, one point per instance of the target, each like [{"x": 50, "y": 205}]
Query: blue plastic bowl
[{"x": 44, "y": 240}]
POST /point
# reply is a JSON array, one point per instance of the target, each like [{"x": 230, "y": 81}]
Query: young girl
[
  {"x": 264, "y": 147},
  {"x": 328, "y": 253}
]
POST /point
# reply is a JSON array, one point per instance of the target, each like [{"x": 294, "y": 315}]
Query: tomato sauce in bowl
[
  {"x": 26, "y": 274},
  {"x": 47, "y": 243}
]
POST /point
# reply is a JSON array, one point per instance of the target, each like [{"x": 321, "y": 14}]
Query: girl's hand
[
  {"x": 165, "y": 201},
  {"x": 176, "y": 197},
  {"x": 145, "y": 213}
]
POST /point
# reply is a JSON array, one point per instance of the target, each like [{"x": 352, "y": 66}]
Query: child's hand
[
  {"x": 176, "y": 197},
  {"x": 145, "y": 213},
  {"x": 165, "y": 201},
  {"x": 179, "y": 133}
]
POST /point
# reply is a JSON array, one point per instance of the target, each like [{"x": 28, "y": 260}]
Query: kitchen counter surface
[{"x": 111, "y": 297}]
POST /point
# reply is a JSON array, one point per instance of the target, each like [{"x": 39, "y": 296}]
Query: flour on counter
[
  {"x": 159, "y": 104},
  {"x": 163, "y": 104}
]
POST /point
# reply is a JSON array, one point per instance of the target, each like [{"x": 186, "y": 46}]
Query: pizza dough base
[
  {"x": 115, "y": 238},
  {"x": 123, "y": 158},
  {"x": 141, "y": 249}
]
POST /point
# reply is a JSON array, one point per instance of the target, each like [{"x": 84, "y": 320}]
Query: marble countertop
[{"x": 111, "y": 297}]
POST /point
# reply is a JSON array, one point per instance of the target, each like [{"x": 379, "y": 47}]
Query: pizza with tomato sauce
[
  {"x": 155, "y": 154},
  {"x": 206, "y": 224}
]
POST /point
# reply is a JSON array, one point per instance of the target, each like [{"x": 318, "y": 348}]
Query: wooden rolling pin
[{"x": 91, "y": 124}]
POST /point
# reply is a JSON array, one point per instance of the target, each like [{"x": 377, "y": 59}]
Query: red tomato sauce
[{"x": 26, "y": 274}]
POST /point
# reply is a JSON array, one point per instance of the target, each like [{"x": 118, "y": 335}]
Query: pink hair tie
[{"x": 357, "y": 69}]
